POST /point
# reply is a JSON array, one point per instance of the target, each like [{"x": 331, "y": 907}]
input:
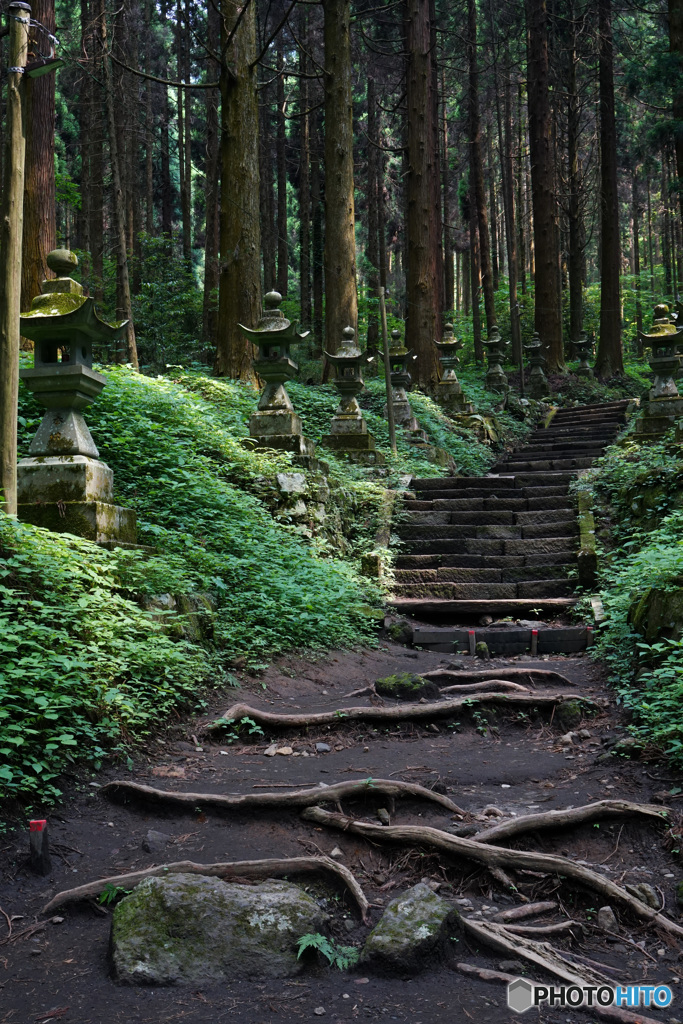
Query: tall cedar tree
[
  {"x": 424, "y": 263},
  {"x": 239, "y": 290},
  {"x": 341, "y": 296},
  {"x": 546, "y": 235},
  {"x": 610, "y": 358},
  {"x": 676, "y": 46},
  {"x": 477, "y": 168}
]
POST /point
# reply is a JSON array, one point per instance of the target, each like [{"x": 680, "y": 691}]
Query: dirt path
[{"x": 510, "y": 762}]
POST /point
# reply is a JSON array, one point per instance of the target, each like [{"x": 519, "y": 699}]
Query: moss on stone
[
  {"x": 406, "y": 686},
  {"x": 568, "y": 714}
]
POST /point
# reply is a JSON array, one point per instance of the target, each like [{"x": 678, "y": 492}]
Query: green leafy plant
[
  {"x": 235, "y": 730},
  {"x": 342, "y": 957},
  {"x": 111, "y": 893}
]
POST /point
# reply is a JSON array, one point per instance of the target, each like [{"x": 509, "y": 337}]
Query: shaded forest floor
[{"x": 516, "y": 765}]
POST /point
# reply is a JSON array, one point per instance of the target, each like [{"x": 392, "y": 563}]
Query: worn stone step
[
  {"x": 529, "y": 573},
  {"x": 548, "y": 504},
  {"x": 537, "y": 563},
  {"x": 557, "y": 515},
  {"x": 580, "y": 443},
  {"x": 491, "y": 503},
  {"x": 443, "y": 608},
  {"x": 448, "y": 483},
  {"x": 544, "y": 531},
  {"x": 532, "y": 478},
  {"x": 547, "y": 465},
  {"x": 484, "y": 591},
  {"x": 563, "y": 451},
  {"x": 557, "y": 557},
  {"x": 540, "y": 545},
  {"x": 545, "y": 588},
  {"x": 465, "y": 546}
]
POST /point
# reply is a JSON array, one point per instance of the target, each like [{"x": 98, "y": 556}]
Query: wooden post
[
  {"x": 387, "y": 372},
  {"x": 11, "y": 233}
]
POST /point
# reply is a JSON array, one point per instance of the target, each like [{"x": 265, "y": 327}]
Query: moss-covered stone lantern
[
  {"x": 583, "y": 349},
  {"x": 664, "y": 405},
  {"x": 348, "y": 430},
  {"x": 63, "y": 485},
  {"x": 495, "y": 376},
  {"x": 449, "y": 389},
  {"x": 275, "y": 424},
  {"x": 538, "y": 382}
]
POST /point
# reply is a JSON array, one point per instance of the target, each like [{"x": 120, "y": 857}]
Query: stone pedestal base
[
  {"x": 296, "y": 443},
  {"x": 538, "y": 385},
  {"x": 93, "y": 520},
  {"x": 583, "y": 371},
  {"x": 274, "y": 421},
  {"x": 496, "y": 381},
  {"x": 355, "y": 447},
  {"x": 659, "y": 415},
  {"x": 73, "y": 494},
  {"x": 452, "y": 401}
]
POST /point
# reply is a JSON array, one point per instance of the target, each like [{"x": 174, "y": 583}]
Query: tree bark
[
  {"x": 635, "y": 211},
  {"x": 84, "y": 132},
  {"x": 475, "y": 287},
  {"x": 424, "y": 266},
  {"x": 449, "y": 301},
  {"x": 130, "y": 354},
  {"x": 40, "y": 232},
  {"x": 548, "y": 305},
  {"x": 493, "y": 206},
  {"x": 318, "y": 254},
  {"x": 576, "y": 234},
  {"x": 341, "y": 294},
  {"x": 609, "y": 359},
  {"x": 268, "y": 229},
  {"x": 304, "y": 181},
  {"x": 372, "y": 251},
  {"x": 240, "y": 244},
  {"x": 676, "y": 47},
  {"x": 184, "y": 178},
  {"x": 281, "y": 155},
  {"x": 477, "y": 168},
  {"x": 149, "y": 125}
]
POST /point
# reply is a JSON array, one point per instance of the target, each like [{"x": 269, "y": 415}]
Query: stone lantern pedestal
[
  {"x": 63, "y": 485},
  {"x": 275, "y": 424},
  {"x": 399, "y": 359},
  {"x": 664, "y": 406},
  {"x": 449, "y": 392},
  {"x": 495, "y": 376},
  {"x": 583, "y": 348},
  {"x": 538, "y": 382},
  {"x": 348, "y": 430}
]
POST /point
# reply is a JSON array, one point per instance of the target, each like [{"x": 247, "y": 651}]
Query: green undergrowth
[{"x": 638, "y": 501}]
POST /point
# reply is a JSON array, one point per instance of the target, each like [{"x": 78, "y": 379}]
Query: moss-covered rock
[
  {"x": 412, "y": 933},
  {"x": 658, "y": 613},
  {"x": 185, "y": 929},
  {"x": 568, "y": 715},
  {"x": 405, "y": 686}
]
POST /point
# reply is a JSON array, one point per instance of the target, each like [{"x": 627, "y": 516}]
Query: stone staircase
[{"x": 503, "y": 543}]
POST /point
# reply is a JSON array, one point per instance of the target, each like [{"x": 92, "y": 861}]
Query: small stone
[
  {"x": 607, "y": 921},
  {"x": 349, "y": 924},
  {"x": 504, "y": 785},
  {"x": 383, "y": 815},
  {"x": 584, "y": 734},
  {"x": 324, "y": 692},
  {"x": 366, "y": 750},
  {"x": 512, "y": 966},
  {"x": 285, "y": 751},
  {"x": 491, "y": 811},
  {"x": 337, "y": 853},
  {"x": 346, "y": 995},
  {"x": 319, "y": 1011},
  {"x": 323, "y": 748},
  {"x": 433, "y": 728},
  {"x": 661, "y": 952},
  {"x": 412, "y": 933},
  {"x": 57, "y": 920},
  {"x": 270, "y": 751},
  {"x": 567, "y": 739},
  {"x": 156, "y": 842},
  {"x": 361, "y": 981}
]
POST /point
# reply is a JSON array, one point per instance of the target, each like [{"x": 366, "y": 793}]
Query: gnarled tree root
[
  {"x": 612, "y": 1013},
  {"x": 501, "y": 685},
  {"x": 436, "y": 709},
  {"x": 297, "y": 798},
  {"x": 226, "y": 869},
  {"x": 542, "y": 674},
  {"x": 483, "y": 853},
  {"x": 569, "y": 816}
]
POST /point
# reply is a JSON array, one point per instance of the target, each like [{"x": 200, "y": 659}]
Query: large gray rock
[
  {"x": 412, "y": 933},
  {"x": 182, "y": 929}
]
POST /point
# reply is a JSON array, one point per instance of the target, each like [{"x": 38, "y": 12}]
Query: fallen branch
[
  {"x": 498, "y": 673},
  {"x": 399, "y": 713},
  {"x": 530, "y": 910},
  {"x": 569, "y": 816},
  {"x": 483, "y": 853},
  {"x": 227, "y": 869},
  {"x": 612, "y": 1013},
  {"x": 298, "y": 798},
  {"x": 502, "y": 685},
  {"x": 536, "y": 930}
]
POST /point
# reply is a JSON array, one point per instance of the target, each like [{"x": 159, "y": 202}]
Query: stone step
[
  {"x": 563, "y": 557},
  {"x": 442, "y": 608},
  {"x": 484, "y": 591},
  {"x": 491, "y": 546},
  {"x": 566, "y": 450},
  {"x": 508, "y": 640},
  {"x": 546, "y": 465},
  {"x": 446, "y": 483}
]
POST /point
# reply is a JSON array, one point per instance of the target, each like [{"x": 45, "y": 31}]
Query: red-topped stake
[{"x": 40, "y": 847}]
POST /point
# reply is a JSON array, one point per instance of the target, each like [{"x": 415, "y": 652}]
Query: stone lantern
[
  {"x": 665, "y": 405},
  {"x": 449, "y": 389},
  {"x": 348, "y": 430},
  {"x": 63, "y": 485},
  {"x": 400, "y": 359},
  {"x": 275, "y": 424},
  {"x": 538, "y": 382},
  {"x": 495, "y": 376},
  {"x": 583, "y": 348}
]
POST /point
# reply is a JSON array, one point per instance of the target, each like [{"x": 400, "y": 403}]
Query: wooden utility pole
[{"x": 11, "y": 232}]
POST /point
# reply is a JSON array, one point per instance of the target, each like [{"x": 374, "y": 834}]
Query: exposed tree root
[
  {"x": 544, "y": 674},
  {"x": 540, "y": 954},
  {"x": 297, "y": 798},
  {"x": 535, "y": 931},
  {"x": 530, "y": 910},
  {"x": 571, "y": 816},
  {"x": 496, "y": 856},
  {"x": 227, "y": 869},
  {"x": 436, "y": 709},
  {"x": 612, "y": 1013},
  {"x": 502, "y": 685}
]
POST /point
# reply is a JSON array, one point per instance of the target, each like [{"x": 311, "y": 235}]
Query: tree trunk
[
  {"x": 521, "y": 205},
  {"x": 548, "y": 304},
  {"x": 609, "y": 359},
  {"x": 475, "y": 283},
  {"x": 665, "y": 233},
  {"x": 184, "y": 178},
  {"x": 212, "y": 98},
  {"x": 466, "y": 282},
  {"x": 240, "y": 244},
  {"x": 318, "y": 255},
  {"x": 493, "y": 206},
  {"x": 635, "y": 212},
  {"x": 576, "y": 235},
  {"x": 40, "y": 232},
  {"x": 304, "y": 181},
  {"x": 477, "y": 167},
  {"x": 449, "y": 300},
  {"x": 372, "y": 251},
  {"x": 268, "y": 228},
  {"x": 130, "y": 354},
  {"x": 281, "y": 153},
  {"x": 149, "y": 125},
  {"x": 341, "y": 298},
  {"x": 84, "y": 132},
  {"x": 506, "y": 166},
  {"x": 676, "y": 47},
  {"x": 424, "y": 270}
]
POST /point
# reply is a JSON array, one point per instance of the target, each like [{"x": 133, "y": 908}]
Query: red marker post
[{"x": 40, "y": 846}]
